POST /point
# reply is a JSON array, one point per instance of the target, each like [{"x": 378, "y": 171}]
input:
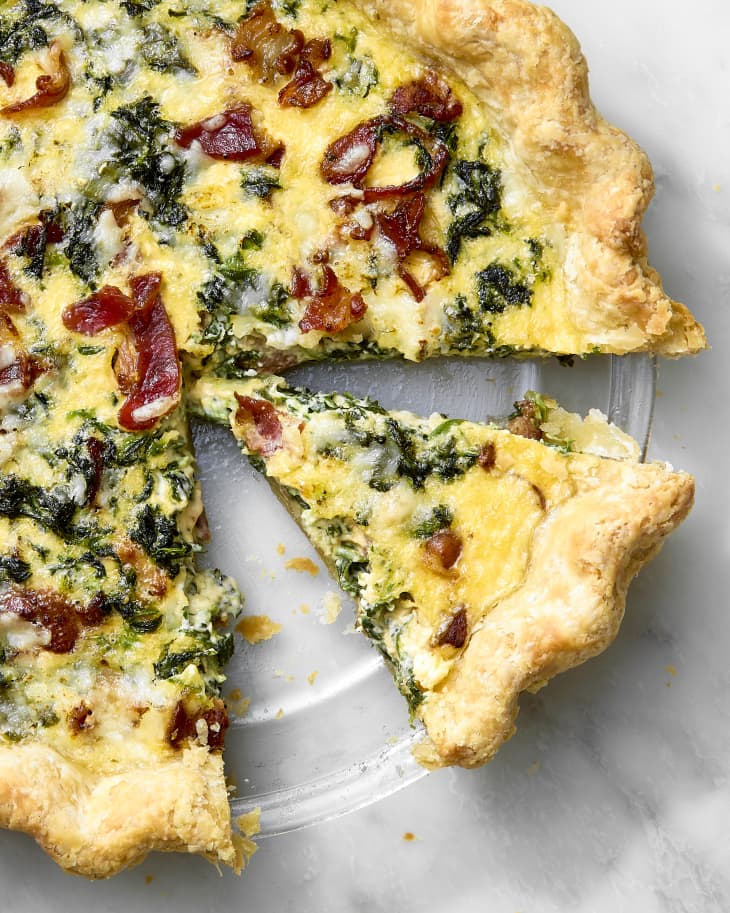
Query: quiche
[
  {"x": 329, "y": 179},
  {"x": 197, "y": 192},
  {"x": 483, "y": 560}
]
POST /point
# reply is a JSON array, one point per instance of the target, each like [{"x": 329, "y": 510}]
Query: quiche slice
[
  {"x": 483, "y": 559},
  {"x": 111, "y": 642},
  {"x": 335, "y": 179}
]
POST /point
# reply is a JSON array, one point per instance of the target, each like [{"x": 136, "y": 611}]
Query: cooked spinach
[
  {"x": 475, "y": 205},
  {"x": 260, "y": 181},
  {"x": 498, "y": 288},
  {"x": 161, "y": 50},
  {"x": 213, "y": 653},
  {"x": 25, "y": 32},
  {"x": 160, "y": 538},
  {"x": 14, "y": 568},
  {"x": 142, "y": 151},
  {"x": 437, "y": 519}
]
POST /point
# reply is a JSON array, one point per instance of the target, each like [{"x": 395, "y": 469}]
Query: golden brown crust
[
  {"x": 527, "y": 68},
  {"x": 567, "y": 609},
  {"x": 97, "y": 824}
]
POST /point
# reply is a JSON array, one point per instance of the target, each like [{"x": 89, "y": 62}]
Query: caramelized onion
[
  {"x": 348, "y": 159},
  {"x": 263, "y": 43},
  {"x": 51, "y": 87}
]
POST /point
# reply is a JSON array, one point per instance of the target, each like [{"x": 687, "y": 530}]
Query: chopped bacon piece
[
  {"x": 16, "y": 370},
  {"x": 229, "y": 136},
  {"x": 443, "y": 549},
  {"x": 265, "y": 44},
  {"x": 429, "y": 96},
  {"x": 331, "y": 308},
  {"x": 349, "y": 158},
  {"x": 306, "y": 88},
  {"x": 124, "y": 363},
  {"x": 487, "y": 456},
  {"x": 527, "y": 422},
  {"x": 122, "y": 209},
  {"x": 453, "y": 632},
  {"x": 259, "y": 420},
  {"x": 401, "y": 228},
  {"x": 7, "y": 73},
  {"x": 95, "y": 448},
  {"x": 12, "y": 299},
  {"x": 106, "y": 308},
  {"x": 156, "y": 390},
  {"x": 209, "y": 725},
  {"x": 47, "y": 609},
  {"x": 31, "y": 242},
  {"x": 52, "y": 87}
]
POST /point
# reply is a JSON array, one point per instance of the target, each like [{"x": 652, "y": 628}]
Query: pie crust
[{"x": 526, "y": 67}]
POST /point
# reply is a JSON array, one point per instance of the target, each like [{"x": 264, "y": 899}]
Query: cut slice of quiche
[
  {"x": 483, "y": 560},
  {"x": 111, "y": 645},
  {"x": 329, "y": 180}
]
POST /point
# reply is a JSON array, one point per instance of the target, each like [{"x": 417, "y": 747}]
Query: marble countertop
[{"x": 614, "y": 794}]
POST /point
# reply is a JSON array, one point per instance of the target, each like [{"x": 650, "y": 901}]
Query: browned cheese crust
[
  {"x": 567, "y": 609},
  {"x": 527, "y": 68}
]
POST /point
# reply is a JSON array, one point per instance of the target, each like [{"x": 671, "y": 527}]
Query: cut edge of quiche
[
  {"x": 527, "y": 68},
  {"x": 483, "y": 560}
]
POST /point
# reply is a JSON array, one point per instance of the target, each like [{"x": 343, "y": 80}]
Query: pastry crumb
[
  {"x": 305, "y": 609},
  {"x": 302, "y": 565},
  {"x": 312, "y": 676},
  {"x": 672, "y": 670},
  {"x": 409, "y": 836},
  {"x": 533, "y": 768},
  {"x": 237, "y": 704},
  {"x": 279, "y": 713},
  {"x": 279, "y": 673},
  {"x": 280, "y": 548},
  {"x": 255, "y": 628},
  {"x": 332, "y": 605},
  {"x": 148, "y": 879},
  {"x": 250, "y": 823}
]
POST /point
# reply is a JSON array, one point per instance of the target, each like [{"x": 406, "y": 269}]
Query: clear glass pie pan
[{"x": 317, "y": 726}]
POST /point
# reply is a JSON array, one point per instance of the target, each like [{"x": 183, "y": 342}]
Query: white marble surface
[{"x": 614, "y": 795}]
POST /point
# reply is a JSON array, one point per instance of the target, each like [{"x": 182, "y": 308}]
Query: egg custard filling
[{"x": 482, "y": 559}]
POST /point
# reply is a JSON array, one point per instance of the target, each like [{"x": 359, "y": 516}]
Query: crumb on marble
[
  {"x": 280, "y": 548},
  {"x": 409, "y": 836},
  {"x": 279, "y": 713},
  {"x": 312, "y": 676},
  {"x": 302, "y": 565},
  {"x": 332, "y": 605},
  {"x": 533, "y": 768},
  {"x": 148, "y": 879},
  {"x": 255, "y": 628}
]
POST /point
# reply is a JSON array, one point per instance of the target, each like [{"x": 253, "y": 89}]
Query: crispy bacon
[
  {"x": 259, "y": 420},
  {"x": 106, "y": 308},
  {"x": 348, "y": 159},
  {"x": 49, "y": 610},
  {"x": 263, "y": 43},
  {"x": 185, "y": 725},
  {"x": 306, "y": 88},
  {"x": 454, "y": 630},
  {"x": 331, "y": 308},
  {"x": 52, "y": 87},
  {"x": 429, "y": 96},
  {"x": 401, "y": 227},
  {"x": 7, "y": 73},
  {"x": 230, "y": 136},
  {"x": 12, "y": 299},
  {"x": 31, "y": 241},
  {"x": 156, "y": 390}
]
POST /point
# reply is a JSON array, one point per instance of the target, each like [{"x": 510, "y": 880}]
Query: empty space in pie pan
[{"x": 317, "y": 726}]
